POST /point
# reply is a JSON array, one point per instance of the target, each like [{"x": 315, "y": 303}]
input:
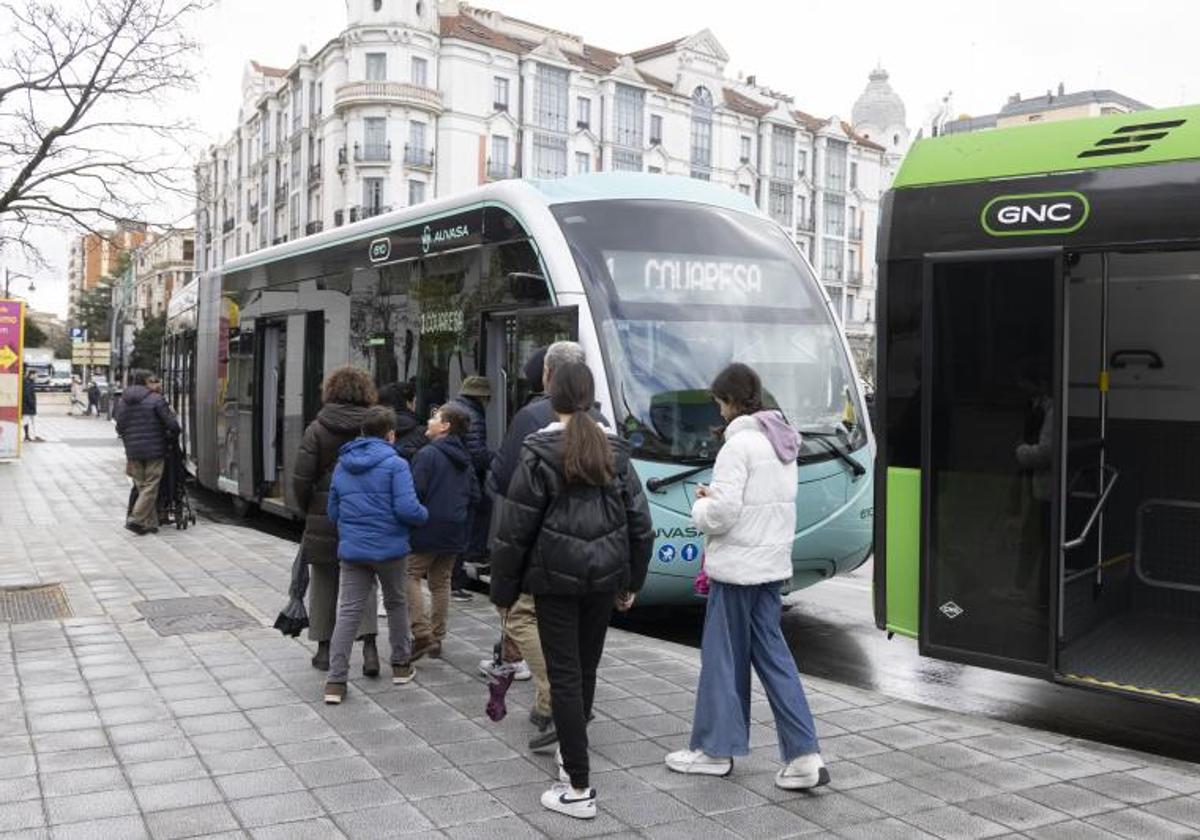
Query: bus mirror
[{"x": 527, "y": 287}]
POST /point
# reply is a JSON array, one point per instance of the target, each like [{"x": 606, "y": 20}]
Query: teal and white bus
[{"x": 662, "y": 280}]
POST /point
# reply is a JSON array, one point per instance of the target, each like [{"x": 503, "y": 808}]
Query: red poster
[{"x": 12, "y": 342}]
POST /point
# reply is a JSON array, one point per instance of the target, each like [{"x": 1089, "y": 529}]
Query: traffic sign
[{"x": 79, "y": 334}]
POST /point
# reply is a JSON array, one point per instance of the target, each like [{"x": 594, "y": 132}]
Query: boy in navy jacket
[
  {"x": 449, "y": 488},
  {"x": 373, "y": 504}
]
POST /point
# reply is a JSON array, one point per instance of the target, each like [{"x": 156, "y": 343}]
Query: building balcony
[
  {"x": 831, "y": 274},
  {"x": 585, "y": 125},
  {"x": 281, "y": 195},
  {"x": 279, "y": 240},
  {"x": 369, "y": 211},
  {"x": 854, "y": 277},
  {"x": 388, "y": 93},
  {"x": 314, "y": 174},
  {"x": 806, "y": 225},
  {"x": 500, "y": 170},
  {"x": 416, "y": 158},
  {"x": 373, "y": 153},
  {"x": 252, "y": 212},
  {"x": 856, "y": 233},
  {"x": 228, "y": 225},
  {"x": 313, "y": 227},
  {"x": 744, "y": 160},
  {"x": 500, "y": 106},
  {"x": 342, "y": 155}
]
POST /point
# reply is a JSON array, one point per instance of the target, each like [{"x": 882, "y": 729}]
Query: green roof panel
[{"x": 1133, "y": 139}]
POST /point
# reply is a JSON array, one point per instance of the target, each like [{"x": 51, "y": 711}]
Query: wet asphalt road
[{"x": 831, "y": 630}]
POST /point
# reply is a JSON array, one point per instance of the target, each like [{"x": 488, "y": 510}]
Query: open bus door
[{"x": 991, "y": 458}]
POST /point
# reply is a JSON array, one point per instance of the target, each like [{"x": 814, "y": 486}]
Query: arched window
[{"x": 702, "y": 109}]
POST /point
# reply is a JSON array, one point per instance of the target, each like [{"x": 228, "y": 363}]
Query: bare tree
[{"x": 87, "y": 136}]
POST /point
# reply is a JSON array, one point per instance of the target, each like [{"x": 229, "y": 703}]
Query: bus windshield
[{"x": 678, "y": 291}]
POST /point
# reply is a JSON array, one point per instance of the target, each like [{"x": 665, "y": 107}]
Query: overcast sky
[{"x": 819, "y": 52}]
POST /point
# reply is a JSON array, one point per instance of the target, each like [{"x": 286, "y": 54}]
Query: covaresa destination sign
[{"x": 1035, "y": 214}]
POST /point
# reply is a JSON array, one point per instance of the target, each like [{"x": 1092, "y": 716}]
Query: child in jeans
[
  {"x": 372, "y": 504},
  {"x": 447, "y": 486}
]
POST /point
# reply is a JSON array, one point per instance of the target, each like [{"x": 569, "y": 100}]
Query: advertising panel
[{"x": 12, "y": 335}]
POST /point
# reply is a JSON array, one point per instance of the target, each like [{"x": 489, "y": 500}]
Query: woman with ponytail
[{"x": 574, "y": 533}]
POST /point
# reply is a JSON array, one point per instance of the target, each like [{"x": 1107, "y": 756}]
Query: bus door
[
  {"x": 991, "y": 367},
  {"x": 510, "y": 339},
  {"x": 272, "y": 366}
]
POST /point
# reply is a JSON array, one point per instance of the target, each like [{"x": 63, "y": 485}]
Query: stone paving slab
[{"x": 109, "y": 730}]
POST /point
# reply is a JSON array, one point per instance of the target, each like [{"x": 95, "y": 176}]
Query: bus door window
[
  {"x": 272, "y": 372},
  {"x": 314, "y": 363}
]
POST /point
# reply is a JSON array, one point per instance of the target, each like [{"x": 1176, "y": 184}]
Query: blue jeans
[{"x": 741, "y": 628}]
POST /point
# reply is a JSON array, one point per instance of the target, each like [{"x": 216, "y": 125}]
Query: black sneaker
[
  {"x": 544, "y": 740},
  {"x": 136, "y": 528},
  {"x": 461, "y": 595}
]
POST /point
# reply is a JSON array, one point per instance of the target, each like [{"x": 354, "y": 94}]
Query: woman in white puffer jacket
[{"x": 748, "y": 515}]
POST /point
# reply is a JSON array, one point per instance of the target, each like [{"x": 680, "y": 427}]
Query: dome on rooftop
[{"x": 878, "y": 105}]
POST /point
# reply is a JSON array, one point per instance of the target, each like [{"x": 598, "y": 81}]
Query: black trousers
[{"x": 572, "y": 628}]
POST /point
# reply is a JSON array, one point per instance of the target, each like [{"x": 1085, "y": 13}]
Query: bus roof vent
[{"x": 1131, "y": 139}]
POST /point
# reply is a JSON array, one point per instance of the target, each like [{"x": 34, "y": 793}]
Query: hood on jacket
[
  {"x": 363, "y": 454},
  {"x": 406, "y": 421},
  {"x": 453, "y": 448},
  {"x": 342, "y": 418},
  {"x": 783, "y": 437},
  {"x": 135, "y": 394}
]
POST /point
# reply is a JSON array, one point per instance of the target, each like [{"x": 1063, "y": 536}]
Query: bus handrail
[{"x": 1100, "y": 504}]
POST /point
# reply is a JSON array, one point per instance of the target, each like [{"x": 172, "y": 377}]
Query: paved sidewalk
[{"x": 109, "y": 730}]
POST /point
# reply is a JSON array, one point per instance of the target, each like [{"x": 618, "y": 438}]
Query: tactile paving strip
[
  {"x": 176, "y": 616},
  {"x": 33, "y": 603}
]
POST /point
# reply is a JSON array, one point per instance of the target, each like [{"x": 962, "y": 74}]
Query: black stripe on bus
[
  {"x": 1133, "y": 129},
  {"x": 1135, "y": 138},
  {"x": 1116, "y": 150}
]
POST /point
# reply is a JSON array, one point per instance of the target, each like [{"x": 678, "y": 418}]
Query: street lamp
[{"x": 10, "y": 274}]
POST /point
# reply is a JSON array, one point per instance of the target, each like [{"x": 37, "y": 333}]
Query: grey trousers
[
  {"x": 357, "y": 596},
  {"x": 323, "y": 604}
]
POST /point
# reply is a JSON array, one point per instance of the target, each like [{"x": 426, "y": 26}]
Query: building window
[
  {"x": 745, "y": 149},
  {"x": 550, "y": 98},
  {"x": 802, "y": 163},
  {"x": 835, "y": 214},
  {"x": 631, "y": 109},
  {"x": 853, "y": 176},
  {"x": 375, "y": 138},
  {"x": 549, "y": 155},
  {"x": 627, "y": 160},
  {"x": 416, "y": 192},
  {"x": 781, "y": 199},
  {"x": 783, "y": 152},
  {"x": 295, "y": 166},
  {"x": 416, "y": 136},
  {"x": 654, "y": 170},
  {"x": 498, "y": 165},
  {"x": 378, "y": 4},
  {"x": 832, "y": 257},
  {"x": 583, "y": 106},
  {"x": 372, "y": 196},
  {"x": 835, "y": 166},
  {"x": 655, "y": 130},
  {"x": 744, "y": 189},
  {"x": 801, "y": 213},
  {"x": 702, "y": 106},
  {"x": 376, "y": 67},
  {"x": 297, "y": 106},
  {"x": 420, "y": 71},
  {"x": 312, "y": 100},
  {"x": 583, "y": 163},
  {"x": 500, "y": 93},
  {"x": 294, "y": 214}
]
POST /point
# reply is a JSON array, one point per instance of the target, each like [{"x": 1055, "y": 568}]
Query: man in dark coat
[
  {"x": 143, "y": 422},
  {"x": 401, "y": 397},
  {"x": 29, "y": 407},
  {"x": 472, "y": 398}
]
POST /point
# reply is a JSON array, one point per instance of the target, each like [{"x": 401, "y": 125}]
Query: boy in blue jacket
[
  {"x": 448, "y": 487},
  {"x": 373, "y": 504}
]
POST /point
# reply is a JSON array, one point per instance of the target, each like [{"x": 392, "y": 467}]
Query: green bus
[{"x": 1037, "y": 504}]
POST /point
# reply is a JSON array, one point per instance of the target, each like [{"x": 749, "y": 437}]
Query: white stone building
[
  {"x": 164, "y": 263},
  {"x": 415, "y": 99}
]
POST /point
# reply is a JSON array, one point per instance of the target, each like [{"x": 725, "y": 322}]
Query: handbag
[{"x": 700, "y": 583}]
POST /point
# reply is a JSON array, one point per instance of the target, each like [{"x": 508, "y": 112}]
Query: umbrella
[
  {"x": 501, "y": 677},
  {"x": 294, "y": 617}
]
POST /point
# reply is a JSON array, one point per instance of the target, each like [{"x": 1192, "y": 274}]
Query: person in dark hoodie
[
  {"x": 575, "y": 533},
  {"x": 447, "y": 486},
  {"x": 473, "y": 397},
  {"x": 143, "y": 422},
  {"x": 373, "y": 504},
  {"x": 347, "y": 393},
  {"x": 401, "y": 397}
]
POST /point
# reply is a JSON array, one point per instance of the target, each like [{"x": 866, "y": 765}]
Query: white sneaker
[
  {"x": 522, "y": 671},
  {"x": 803, "y": 773},
  {"x": 580, "y": 804},
  {"x": 697, "y": 762},
  {"x": 563, "y": 776}
]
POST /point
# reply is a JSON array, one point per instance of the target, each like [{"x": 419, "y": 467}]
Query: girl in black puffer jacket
[{"x": 575, "y": 533}]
